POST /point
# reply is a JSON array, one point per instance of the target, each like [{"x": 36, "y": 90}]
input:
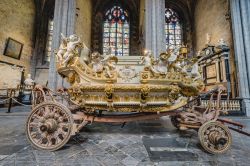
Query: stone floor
[{"x": 148, "y": 143}]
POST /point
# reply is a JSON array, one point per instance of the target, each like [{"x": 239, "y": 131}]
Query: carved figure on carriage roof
[
  {"x": 176, "y": 62},
  {"x": 106, "y": 62},
  {"x": 168, "y": 61},
  {"x": 68, "y": 48},
  {"x": 149, "y": 61},
  {"x": 109, "y": 62},
  {"x": 96, "y": 64}
]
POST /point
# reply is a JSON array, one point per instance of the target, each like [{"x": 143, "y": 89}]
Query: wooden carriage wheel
[
  {"x": 37, "y": 97},
  {"x": 215, "y": 137},
  {"x": 49, "y": 126}
]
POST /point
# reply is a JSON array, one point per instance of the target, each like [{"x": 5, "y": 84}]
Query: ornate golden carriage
[{"x": 161, "y": 88}]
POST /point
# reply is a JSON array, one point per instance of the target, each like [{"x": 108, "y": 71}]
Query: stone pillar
[
  {"x": 154, "y": 26},
  {"x": 217, "y": 71},
  {"x": 240, "y": 16},
  {"x": 64, "y": 21}
]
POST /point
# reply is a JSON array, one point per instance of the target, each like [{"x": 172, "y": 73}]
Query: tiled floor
[{"x": 149, "y": 143}]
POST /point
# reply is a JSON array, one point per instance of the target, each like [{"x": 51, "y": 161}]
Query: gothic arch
[
  {"x": 184, "y": 10},
  {"x": 99, "y": 8}
]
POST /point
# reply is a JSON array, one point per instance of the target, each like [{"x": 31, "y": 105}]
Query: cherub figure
[
  {"x": 149, "y": 62},
  {"x": 96, "y": 63},
  {"x": 72, "y": 42},
  {"x": 110, "y": 65},
  {"x": 173, "y": 62},
  {"x": 109, "y": 62},
  {"x": 62, "y": 48},
  {"x": 162, "y": 64},
  {"x": 147, "y": 59}
]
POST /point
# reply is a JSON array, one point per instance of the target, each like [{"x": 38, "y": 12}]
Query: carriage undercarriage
[{"x": 51, "y": 124}]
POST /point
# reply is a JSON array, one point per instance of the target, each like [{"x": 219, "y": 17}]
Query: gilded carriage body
[{"x": 110, "y": 90}]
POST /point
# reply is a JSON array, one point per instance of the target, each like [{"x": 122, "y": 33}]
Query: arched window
[
  {"x": 116, "y": 31},
  {"x": 173, "y": 28}
]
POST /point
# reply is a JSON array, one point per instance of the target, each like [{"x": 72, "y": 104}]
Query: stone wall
[
  {"x": 17, "y": 21},
  {"x": 211, "y": 17},
  {"x": 83, "y": 20}
]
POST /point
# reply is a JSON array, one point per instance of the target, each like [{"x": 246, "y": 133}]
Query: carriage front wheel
[
  {"x": 215, "y": 137},
  {"x": 49, "y": 126}
]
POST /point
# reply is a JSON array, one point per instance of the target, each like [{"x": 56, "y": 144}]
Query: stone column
[
  {"x": 64, "y": 21},
  {"x": 241, "y": 34},
  {"x": 154, "y": 26},
  {"x": 217, "y": 71}
]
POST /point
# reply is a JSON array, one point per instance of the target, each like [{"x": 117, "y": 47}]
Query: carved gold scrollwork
[
  {"x": 73, "y": 78},
  {"x": 174, "y": 94},
  {"x": 109, "y": 92},
  {"x": 144, "y": 93}
]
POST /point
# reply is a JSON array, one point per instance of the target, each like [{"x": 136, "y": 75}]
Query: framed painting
[{"x": 13, "y": 48}]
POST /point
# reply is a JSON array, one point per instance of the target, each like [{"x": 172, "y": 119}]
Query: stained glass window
[
  {"x": 173, "y": 28},
  {"x": 116, "y": 32}
]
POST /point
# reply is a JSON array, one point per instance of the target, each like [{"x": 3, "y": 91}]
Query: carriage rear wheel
[
  {"x": 49, "y": 126},
  {"x": 215, "y": 137}
]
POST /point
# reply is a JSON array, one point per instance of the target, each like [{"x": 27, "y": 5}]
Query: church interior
[
  {"x": 149, "y": 70},
  {"x": 153, "y": 25},
  {"x": 139, "y": 57}
]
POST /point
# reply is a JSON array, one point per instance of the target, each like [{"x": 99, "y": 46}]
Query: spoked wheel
[
  {"x": 37, "y": 98},
  {"x": 215, "y": 137},
  {"x": 175, "y": 121},
  {"x": 49, "y": 126}
]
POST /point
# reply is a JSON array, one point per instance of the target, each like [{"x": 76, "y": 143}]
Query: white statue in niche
[{"x": 29, "y": 81}]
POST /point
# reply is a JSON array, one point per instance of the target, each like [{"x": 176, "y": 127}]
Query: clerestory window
[{"x": 173, "y": 28}]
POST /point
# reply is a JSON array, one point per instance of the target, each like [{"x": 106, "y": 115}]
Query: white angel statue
[{"x": 71, "y": 48}]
